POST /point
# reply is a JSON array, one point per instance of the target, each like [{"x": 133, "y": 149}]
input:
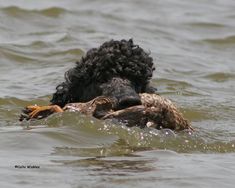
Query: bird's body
[{"x": 154, "y": 111}]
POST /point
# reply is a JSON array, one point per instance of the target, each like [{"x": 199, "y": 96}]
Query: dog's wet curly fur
[{"x": 114, "y": 63}]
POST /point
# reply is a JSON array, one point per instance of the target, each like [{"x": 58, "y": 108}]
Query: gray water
[{"x": 192, "y": 44}]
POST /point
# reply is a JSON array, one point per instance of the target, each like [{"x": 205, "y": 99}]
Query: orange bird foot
[{"x": 39, "y": 112}]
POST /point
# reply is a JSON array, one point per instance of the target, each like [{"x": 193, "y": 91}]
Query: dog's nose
[
  {"x": 122, "y": 91},
  {"x": 129, "y": 101}
]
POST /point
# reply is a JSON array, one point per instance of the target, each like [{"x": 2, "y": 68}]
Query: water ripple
[
  {"x": 117, "y": 139},
  {"x": 220, "y": 77},
  {"x": 18, "y": 11},
  {"x": 227, "y": 40}
]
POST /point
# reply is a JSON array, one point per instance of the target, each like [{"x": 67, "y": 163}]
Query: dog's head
[{"x": 117, "y": 69}]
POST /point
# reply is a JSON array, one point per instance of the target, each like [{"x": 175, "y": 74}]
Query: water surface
[{"x": 192, "y": 44}]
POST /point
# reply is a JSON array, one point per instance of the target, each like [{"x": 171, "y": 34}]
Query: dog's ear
[{"x": 62, "y": 95}]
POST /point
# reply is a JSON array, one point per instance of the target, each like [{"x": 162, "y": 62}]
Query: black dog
[{"x": 117, "y": 69}]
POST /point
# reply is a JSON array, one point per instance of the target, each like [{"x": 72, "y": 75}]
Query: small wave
[
  {"x": 53, "y": 11},
  {"x": 206, "y": 25},
  {"x": 197, "y": 115},
  {"x": 179, "y": 87},
  {"x": 117, "y": 139},
  {"x": 229, "y": 40},
  {"x": 174, "y": 84},
  {"x": 77, "y": 52},
  {"x": 38, "y": 51},
  {"x": 16, "y": 55},
  {"x": 10, "y": 109},
  {"x": 220, "y": 77},
  {"x": 49, "y": 12},
  {"x": 21, "y": 103}
]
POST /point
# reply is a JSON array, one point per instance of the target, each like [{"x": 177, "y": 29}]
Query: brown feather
[{"x": 155, "y": 111}]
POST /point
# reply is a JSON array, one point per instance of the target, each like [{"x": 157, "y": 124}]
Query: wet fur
[{"x": 91, "y": 75}]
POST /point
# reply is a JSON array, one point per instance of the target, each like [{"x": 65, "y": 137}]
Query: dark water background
[{"x": 193, "y": 46}]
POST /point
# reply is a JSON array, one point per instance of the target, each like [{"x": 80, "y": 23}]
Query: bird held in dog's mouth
[{"x": 113, "y": 82}]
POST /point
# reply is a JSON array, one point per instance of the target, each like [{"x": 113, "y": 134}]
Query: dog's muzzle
[{"x": 122, "y": 91}]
